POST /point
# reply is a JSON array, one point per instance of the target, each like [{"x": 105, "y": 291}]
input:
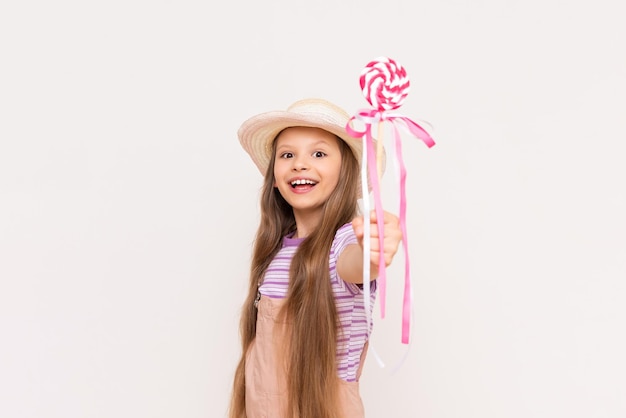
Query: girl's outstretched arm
[{"x": 350, "y": 262}]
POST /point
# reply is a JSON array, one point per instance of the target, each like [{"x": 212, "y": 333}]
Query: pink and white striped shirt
[{"x": 349, "y": 299}]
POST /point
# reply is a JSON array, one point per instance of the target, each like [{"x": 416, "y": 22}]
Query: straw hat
[{"x": 257, "y": 133}]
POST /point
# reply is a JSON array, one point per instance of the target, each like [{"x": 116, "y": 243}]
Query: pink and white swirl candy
[{"x": 384, "y": 83}]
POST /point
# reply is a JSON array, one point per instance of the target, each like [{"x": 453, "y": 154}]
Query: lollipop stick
[
  {"x": 379, "y": 218},
  {"x": 379, "y": 150}
]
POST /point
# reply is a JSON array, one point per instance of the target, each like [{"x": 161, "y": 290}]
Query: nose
[{"x": 300, "y": 164}]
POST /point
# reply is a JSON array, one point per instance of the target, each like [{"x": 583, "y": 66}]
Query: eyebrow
[{"x": 314, "y": 145}]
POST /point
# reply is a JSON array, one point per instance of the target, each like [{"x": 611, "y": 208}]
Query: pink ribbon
[{"x": 370, "y": 116}]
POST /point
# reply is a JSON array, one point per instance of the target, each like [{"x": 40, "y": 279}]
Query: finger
[
  {"x": 387, "y": 257},
  {"x": 390, "y": 219},
  {"x": 389, "y": 246},
  {"x": 374, "y": 243},
  {"x": 357, "y": 226},
  {"x": 391, "y": 231},
  {"x": 375, "y": 258}
]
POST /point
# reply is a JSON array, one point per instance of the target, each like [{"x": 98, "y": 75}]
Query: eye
[
  {"x": 319, "y": 154},
  {"x": 286, "y": 155}
]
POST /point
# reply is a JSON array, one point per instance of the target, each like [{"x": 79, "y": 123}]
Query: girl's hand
[{"x": 391, "y": 240}]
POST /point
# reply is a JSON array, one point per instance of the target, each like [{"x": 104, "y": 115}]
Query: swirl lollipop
[{"x": 385, "y": 85}]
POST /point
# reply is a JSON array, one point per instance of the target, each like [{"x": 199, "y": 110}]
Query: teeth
[{"x": 302, "y": 181}]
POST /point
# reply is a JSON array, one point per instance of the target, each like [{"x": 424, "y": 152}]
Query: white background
[{"x": 128, "y": 208}]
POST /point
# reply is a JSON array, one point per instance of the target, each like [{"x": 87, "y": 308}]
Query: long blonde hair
[{"x": 310, "y": 305}]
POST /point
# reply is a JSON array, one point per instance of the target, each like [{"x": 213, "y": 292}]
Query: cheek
[
  {"x": 336, "y": 178},
  {"x": 337, "y": 170}
]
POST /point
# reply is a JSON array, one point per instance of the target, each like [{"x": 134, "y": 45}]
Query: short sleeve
[{"x": 343, "y": 238}]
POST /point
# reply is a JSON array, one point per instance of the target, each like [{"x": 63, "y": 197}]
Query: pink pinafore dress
[{"x": 266, "y": 395}]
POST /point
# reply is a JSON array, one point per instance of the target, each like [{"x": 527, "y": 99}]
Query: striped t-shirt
[{"x": 348, "y": 299}]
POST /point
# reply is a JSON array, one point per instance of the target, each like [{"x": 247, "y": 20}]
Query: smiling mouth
[{"x": 301, "y": 184}]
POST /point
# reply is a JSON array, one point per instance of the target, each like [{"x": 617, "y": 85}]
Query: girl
[{"x": 303, "y": 327}]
